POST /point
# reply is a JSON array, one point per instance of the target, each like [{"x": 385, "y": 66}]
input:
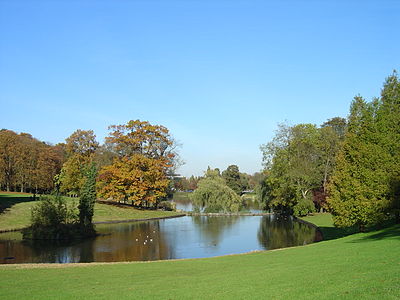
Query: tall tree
[
  {"x": 27, "y": 164},
  {"x": 145, "y": 155},
  {"x": 8, "y": 157},
  {"x": 331, "y": 137},
  {"x": 88, "y": 196},
  {"x": 388, "y": 124},
  {"x": 80, "y": 149},
  {"x": 357, "y": 189},
  {"x": 232, "y": 178},
  {"x": 141, "y": 137},
  {"x": 292, "y": 159},
  {"x": 135, "y": 178}
]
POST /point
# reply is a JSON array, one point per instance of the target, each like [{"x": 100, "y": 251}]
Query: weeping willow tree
[{"x": 213, "y": 195}]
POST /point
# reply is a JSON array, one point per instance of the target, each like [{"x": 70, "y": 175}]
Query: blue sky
[{"x": 219, "y": 74}]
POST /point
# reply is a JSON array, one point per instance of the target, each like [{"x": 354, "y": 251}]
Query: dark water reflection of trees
[
  {"x": 128, "y": 242},
  {"x": 214, "y": 227},
  {"x": 279, "y": 232}
]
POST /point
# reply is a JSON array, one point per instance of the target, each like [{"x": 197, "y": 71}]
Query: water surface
[{"x": 185, "y": 237}]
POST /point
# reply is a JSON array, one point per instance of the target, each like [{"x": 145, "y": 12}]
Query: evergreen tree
[
  {"x": 88, "y": 196},
  {"x": 358, "y": 189},
  {"x": 388, "y": 123}
]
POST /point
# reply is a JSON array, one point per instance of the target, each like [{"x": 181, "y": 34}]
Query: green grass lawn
[
  {"x": 17, "y": 212},
  {"x": 359, "y": 266},
  {"x": 181, "y": 196}
]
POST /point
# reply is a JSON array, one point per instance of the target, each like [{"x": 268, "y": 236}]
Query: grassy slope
[
  {"x": 360, "y": 266},
  {"x": 18, "y": 212},
  {"x": 325, "y": 223}
]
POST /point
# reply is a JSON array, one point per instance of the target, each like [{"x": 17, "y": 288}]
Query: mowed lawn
[
  {"x": 358, "y": 266},
  {"x": 16, "y": 211}
]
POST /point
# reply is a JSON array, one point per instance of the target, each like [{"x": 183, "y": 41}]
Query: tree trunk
[{"x": 304, "y": 194}]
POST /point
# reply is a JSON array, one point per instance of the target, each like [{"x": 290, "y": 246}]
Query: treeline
[
  {"x": 134, "y": 165},
  {"x": 236, "y": 180},
  {"x": 348, "y": 166},
  {"x": 27, "y": 164}
]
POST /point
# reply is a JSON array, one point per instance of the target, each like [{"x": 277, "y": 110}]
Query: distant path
[{"x": 138, "y": 220}]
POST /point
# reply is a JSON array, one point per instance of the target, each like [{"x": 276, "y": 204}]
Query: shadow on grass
[
  {"x": 8, "y": 200},
  {"x": 392, "y": 232},
  {"x": 331, "y": 233}
]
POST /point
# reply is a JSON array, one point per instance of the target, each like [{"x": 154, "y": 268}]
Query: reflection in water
[
  {"x": 249, "y": 205},
  {"x": 186, "y": 237},
  {"x": 212, "y": 228},
  {"x": 279, "y": 231},
  {"x": 252, "y": 206}
]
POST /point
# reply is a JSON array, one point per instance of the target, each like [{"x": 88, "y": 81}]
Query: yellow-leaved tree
[{"x": 145, "y": 156}]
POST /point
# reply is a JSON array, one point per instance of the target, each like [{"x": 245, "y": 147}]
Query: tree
[
  {"x": 49, "y": 163},
  {"x": 141, "y": 137},
  {"x": 332, "y": 135},
  {"x": 137, "y": 179},
  {"x": 388, "y": 125},
  {"x": 213, "y": 195},
  {"x": 8, "y": 157},
  {"x": 144, "y": 155},
  {"x": 27, "y": 164},
  {"x": 291, "y": 159},
  {"x": 338, "y": 125},
  {"x": 81, "y": 142},
  {"x": 233, "y": 179},
  {"x": 212, "y": 173},
  {"x": 88, "y": 197},
  {"x": 357, "y": 192},
  {"x": 80, "y": 149}
]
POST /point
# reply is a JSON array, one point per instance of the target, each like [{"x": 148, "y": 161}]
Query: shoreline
[{"x": 109, "y": 222}]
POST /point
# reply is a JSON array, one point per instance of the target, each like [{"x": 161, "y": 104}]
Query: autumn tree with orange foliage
[
  {"x": 27, "y": 164},
  {"x": 145, "y": 153},
  {"x": 136, "y": 179}
]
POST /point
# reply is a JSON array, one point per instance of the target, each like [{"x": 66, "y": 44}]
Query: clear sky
[{"x": 219, "y": 74}]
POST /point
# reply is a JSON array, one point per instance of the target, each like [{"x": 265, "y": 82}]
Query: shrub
[
  {"x": 303, "y": 207},
  {"x": 53, "y": 219}
]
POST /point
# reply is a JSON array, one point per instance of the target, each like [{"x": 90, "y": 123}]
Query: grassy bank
[
  {"x": 325, "y": 223},
  {"x": 16, "y": 211},
  {"x": 359, "y": 266},
  {"x": 181, "y": 196}
]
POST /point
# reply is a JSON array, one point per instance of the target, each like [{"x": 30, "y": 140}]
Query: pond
[
  {"x": 184, "y": 237},
  {"x": 183, "y": 203}
]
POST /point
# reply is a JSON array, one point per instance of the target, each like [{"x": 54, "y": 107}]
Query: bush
[
  {"x": 53, "y": 219},
  {"x": 303, "y": 207}
]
